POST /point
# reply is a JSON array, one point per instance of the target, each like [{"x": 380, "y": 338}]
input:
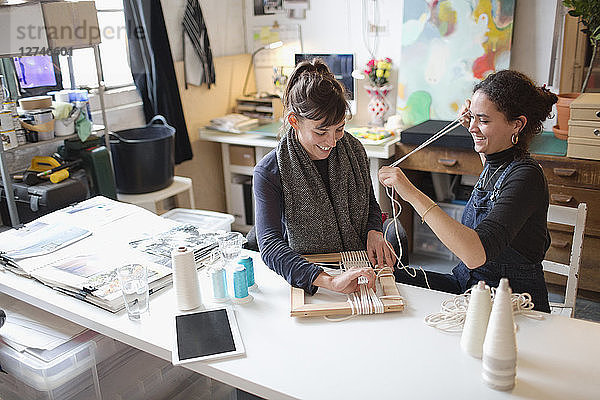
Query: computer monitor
[
  {"x": 341, "y": 65},
  {"x": 38, "y": 74}
]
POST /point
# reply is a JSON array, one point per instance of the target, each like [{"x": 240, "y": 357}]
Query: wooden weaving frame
[{"x": 299, "y": 308}]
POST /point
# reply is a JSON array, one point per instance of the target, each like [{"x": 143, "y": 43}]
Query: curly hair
[
  {"x": 515, "y": 94},
  {"x": 312, "y": 92}
]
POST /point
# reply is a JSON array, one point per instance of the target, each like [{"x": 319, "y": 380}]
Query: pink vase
[{"x": 378, "y": 105}]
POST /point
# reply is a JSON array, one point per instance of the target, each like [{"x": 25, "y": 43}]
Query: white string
[
  {"x": 499, "y": 351},
  {"x": 389, "y": 191},
  {"x": 185, "y": 279},
  {"x": 395, "y": 215},
  {"x": 448, "y": 128},
  {"x": 451, "y": 318},
  {"x": 364, "y": 300}
]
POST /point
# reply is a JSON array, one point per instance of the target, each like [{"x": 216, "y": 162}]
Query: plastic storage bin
[
  {"x": 66, "y": 372},
  {"x": 426, "y": 242},
  {"x": 135, "y": 375},
  {"x": 205, "y": 221}
]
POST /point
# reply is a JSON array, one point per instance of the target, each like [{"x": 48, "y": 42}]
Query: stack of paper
[
  {"x": 162, "y": 244},
  {"x": 233, "y": 123}
]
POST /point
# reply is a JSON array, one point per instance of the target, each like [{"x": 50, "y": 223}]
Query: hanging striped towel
[{"x": 198, "y": 65}]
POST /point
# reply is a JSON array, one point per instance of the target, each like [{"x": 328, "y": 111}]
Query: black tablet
[{"x": 206, "y": 335}]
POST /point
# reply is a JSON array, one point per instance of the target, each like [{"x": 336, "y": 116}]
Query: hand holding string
[
  {"x": 465, "y": 114},
  {"x": 450, "y": 127},
  {"x": 347, "y": 282}
]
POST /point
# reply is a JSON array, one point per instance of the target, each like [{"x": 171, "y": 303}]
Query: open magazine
[
  {"x": 92, "y": 276},
  {"x": 77, "y": 250},
  {"x": 36, "y": 239},
  {"x": 161, "y": 244}
]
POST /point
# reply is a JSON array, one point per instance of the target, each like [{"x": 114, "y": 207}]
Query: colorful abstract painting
[{"x": 447, "y": 47}]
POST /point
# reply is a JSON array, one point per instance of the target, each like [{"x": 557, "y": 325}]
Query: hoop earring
[{"x": 514, "y": 139}]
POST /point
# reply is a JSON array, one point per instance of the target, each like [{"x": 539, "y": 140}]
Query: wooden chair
[{"x": 574, "y": 217}]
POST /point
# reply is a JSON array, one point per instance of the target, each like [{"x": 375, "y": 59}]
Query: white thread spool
[
  {"x": 500, "y": 345},
  {"x": 476, "y": 320},
  {"x": 185, "y": 279}
]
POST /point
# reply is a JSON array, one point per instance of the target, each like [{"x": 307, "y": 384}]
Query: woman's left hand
[{"x": 378, "y": 251}]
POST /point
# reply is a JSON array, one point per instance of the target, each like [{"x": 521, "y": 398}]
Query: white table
[
  {"x": 369, "y": 357},
  {"x": 148, "y": 201}
]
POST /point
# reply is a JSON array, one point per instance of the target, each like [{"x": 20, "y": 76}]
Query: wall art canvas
[{"x": 447, "y": 47}]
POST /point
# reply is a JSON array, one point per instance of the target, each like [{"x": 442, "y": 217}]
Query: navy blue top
[
  {"x": 519, "y": 216},
  {"x": 271, "y": 229}
]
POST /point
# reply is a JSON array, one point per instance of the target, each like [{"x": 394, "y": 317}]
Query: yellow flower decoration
[{"x": 379, "y": 71}]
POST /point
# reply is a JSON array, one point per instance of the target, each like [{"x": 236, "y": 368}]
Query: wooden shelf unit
[{"x": 265, "y": 109}]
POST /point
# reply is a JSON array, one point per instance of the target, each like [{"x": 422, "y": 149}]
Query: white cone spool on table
[
  {"x": 500, "y": 345},
  {"x": 476, "y": 321},
  {"x": 185, "y": 279}
]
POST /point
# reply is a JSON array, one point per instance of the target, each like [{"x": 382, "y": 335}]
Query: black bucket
[{"x": 144, "y": 158}]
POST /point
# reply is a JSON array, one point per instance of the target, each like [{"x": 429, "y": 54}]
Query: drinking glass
[
  {"x": 133, "y": 279},
  {"x": 230, "y": 245}
]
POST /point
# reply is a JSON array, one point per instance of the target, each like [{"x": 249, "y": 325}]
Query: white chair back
[{"x": 574, "y": 217}]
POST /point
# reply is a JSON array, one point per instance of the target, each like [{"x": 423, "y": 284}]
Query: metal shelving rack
[{"x": 6, "y": 178}]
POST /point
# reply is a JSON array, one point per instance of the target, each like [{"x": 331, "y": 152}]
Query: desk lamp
[{"x": 273, "y": 45}]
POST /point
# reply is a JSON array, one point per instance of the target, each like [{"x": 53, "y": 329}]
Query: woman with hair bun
[
  {"x": 503, "y": 231},
  {"x": 313, "y": 192}
]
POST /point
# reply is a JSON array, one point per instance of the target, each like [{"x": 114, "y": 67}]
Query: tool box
[
  {"x": 43, "y": 198},
  {"x": 96, "y": 162}
]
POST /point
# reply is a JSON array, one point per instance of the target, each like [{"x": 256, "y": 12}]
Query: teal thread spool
[
  {"x": 219, "y": 284},
  {"x": 249, "y": 264},
  {"x": 240, "y": 285}
]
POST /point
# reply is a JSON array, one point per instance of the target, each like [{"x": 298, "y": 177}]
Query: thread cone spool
[
  {"x": 248, "y": 263},
  {"x": 476, "y": 321},
  {"x": 500, "y": 345},
  {"x": 185, "y": 279},
  {"x": 218, "y": 278},
  {"x": 240, "y": 286}
]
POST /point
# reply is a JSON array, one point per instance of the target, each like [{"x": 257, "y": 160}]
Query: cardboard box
[
  {"x": 71, "y": 24},
  {"x": 242, "y": 155},
  {"x": 21, "y": 29}
]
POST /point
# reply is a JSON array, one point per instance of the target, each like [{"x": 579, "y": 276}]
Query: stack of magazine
[
  {"x": 77, "y": 250},
  {"x": 162, "y": 244}
]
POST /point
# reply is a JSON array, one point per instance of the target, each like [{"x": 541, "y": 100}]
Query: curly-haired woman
[{"x": 503, "y": 231}]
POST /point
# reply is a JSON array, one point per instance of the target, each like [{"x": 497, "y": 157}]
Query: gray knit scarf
[{"x": 316, "y": 223}]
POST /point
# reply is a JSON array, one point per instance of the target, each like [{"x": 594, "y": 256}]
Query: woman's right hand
[
  {"x": 394, "y": 177},
  {"x": 346, "y": 282},
  {"x": 465, "y": 120}
]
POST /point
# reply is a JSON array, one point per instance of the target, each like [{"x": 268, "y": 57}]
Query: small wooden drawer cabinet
[
  {"x": 584, "y": 127},
  {"x": 570, "y": 182}
]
